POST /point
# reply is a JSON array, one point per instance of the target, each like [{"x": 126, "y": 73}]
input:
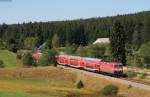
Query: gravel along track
[{"x": 133, "y": 83}]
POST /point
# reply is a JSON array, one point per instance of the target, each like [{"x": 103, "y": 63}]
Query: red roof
[{"x": 37, "y": 56}]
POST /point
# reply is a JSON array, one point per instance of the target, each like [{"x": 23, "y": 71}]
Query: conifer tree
[
  {"x": 137, "y": 37},
  {"x": 55, "y": 41},
  {"x": 117, "y": 39},
  {"x": 146, "y": 30}
]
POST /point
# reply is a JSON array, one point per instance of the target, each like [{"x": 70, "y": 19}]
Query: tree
[
  {"x": 78, "y": 37},
  {"x": 3, "y": 28},
  {"x": 110, "y": 90},
  {"x": 80, "y": 85},
  {"x": 144, "y": 53},
  {"x": 72, "y": 49},
  {"x": 55, "y": 41},
  {"x": 117, "y": 39},
  {"x": 19, "y": 55},
  {"x": 30, "y": 42},
  {"x": 81, "y": 51},
  {"x": 1, "y": 64},
  {"x": 48, "y": 44},
  {"x": 50, "y": 57},
  {"x": 2, "y": 44},
  {"x": 137, "y": 40},
  {"x": 80, "y": 32},
  {"x": 146, "y": 30},
  {"x": 28, "y": 60},
  {"x": 96, "y": 50}
]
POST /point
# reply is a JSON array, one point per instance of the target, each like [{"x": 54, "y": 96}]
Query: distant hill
[
  {"x": 8, "y": 58},
  {"x": 79, "y": 32}
]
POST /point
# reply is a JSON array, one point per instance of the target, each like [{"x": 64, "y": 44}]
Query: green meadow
[{"x": 8, "y": 58}]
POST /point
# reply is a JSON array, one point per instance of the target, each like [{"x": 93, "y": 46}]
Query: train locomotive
[{"x": 92, "y": 64}]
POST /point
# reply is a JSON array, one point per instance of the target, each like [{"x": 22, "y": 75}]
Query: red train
[{"x": 92, "y": 64}]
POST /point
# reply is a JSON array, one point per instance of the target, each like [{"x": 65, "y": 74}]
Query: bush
[
  {"x": 144, "y": 53},
  {"x": 109, "y": 90},
  {"x": 96, "y": 50},
  {"x": 71, "y": 95},
  {"x": 139, "y": 61},
  {"x": 72, "y": 49},
  {"x": 80, "y": 85},
  {"x": 129, "y": 86},
  {"x": 143, "y": 75},
  {"x": 2, "y": 44},
  {"x": 43, "y": 62},
  {"x": 28, "y": 60},
  {"x": 82, "y": 51},
  {"x": 19, "y": 55},
  {"x": 1, "y": 64},
  {"x": 131, "y": 74},
  {"x": 50, "y": 57}
]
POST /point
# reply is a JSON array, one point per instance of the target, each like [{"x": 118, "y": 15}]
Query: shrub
[
  {"x": 143, "y": 53},
  {"x": 129, "y": 86},
  {"x": 109, "y": 90},
  {"x": 72, "y": 49},
  {"x": 143, "y": 75},
  {"x": 131, "y": 74},
  {"x": 50, "y": 57},
  {"x": 43, "y": 62},
  {"x": 2, "y": 44},
  {"x": 80, "y": 85},
  {"x": 82, "y": 51},
  {"x": 1, "y": 64},
  {"x": 72, "y": 95},
  {"x": 28, "y": 60},
  {"x": 19, "y": 55},
  {"x": 139, "y": 61},
  {"x": 96, "y": 51}
]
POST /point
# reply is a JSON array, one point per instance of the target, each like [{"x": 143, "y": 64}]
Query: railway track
[
  {"x": 137, "y": 81},
  {"x": 127, "y": 81}
]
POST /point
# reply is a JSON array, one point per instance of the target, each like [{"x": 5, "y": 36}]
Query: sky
[{"x": 19, "y": 11}]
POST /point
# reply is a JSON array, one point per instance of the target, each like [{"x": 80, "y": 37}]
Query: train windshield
[{"x": 118, "y": 66}]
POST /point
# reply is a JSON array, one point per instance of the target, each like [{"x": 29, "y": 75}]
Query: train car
[
  {"x": 112, "y": 68},
  {"x": 92, "y": 64},
  {"x": 74, "y": 61},
  {"x": 62, "y": 59}
]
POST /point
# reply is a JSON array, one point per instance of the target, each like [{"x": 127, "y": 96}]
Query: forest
[{"x": 81, "y": 32}]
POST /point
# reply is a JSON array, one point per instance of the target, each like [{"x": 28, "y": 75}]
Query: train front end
[{"x": 118, "y": 68}]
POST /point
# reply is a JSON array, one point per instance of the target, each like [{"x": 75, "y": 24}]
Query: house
[{"x": 102, "y": 41}]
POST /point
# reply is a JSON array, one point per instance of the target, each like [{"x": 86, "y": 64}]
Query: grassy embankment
[
  {"x": 8, "y": 58},
  {"x": 56, "y": 82},
  {"x": 39, "y": 81},
  {"x": 139, "y": 74},
  {"x": 52, "y": 82},
  {"x": 18, "y": 94}
]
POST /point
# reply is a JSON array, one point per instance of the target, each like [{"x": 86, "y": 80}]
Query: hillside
[
  {"x": 8, "y": 58},
  {"x": 79, "y": 32},
  {"x": 132, "y": 43},
  {"x": 57, "y": 82}
]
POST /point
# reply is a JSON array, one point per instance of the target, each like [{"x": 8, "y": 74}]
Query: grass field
[
  {"x": 97, "y": 84},
  {"x": 18, "y": 94},
  {"x": 56, "y": 82},
  {"x": 40, "y": 82},
  {"x": 8, "y": 58},
  {"x": 139, "y": 72}
]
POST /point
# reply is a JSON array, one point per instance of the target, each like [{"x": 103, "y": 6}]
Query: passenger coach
[{"x": 92, "y": 64}]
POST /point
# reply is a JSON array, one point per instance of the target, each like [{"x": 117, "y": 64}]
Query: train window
[{"x": 118, "y": 66}]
